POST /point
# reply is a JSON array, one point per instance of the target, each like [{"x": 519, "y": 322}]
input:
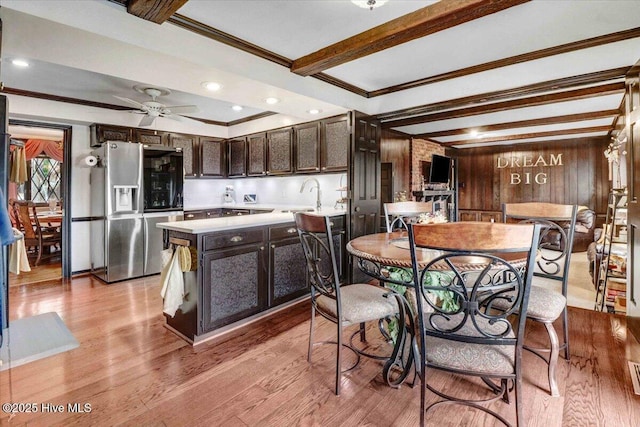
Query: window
[{"x": 44, "y": 181}]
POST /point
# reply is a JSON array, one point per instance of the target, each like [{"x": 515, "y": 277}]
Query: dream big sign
[{"x": 525, "y": 161}]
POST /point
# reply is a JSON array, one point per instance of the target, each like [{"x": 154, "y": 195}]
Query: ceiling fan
[{"x": 152, "y": 109}]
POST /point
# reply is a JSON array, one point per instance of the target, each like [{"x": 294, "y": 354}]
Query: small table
[{"x": 377, "y": 255}]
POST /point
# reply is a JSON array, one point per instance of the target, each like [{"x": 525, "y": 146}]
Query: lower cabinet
[
  {"x": 246, "y": 271},
  {"x": 233, "y": 285},
  {"x": 484, "y": 216},
  {"x": 287, "y": 265}
]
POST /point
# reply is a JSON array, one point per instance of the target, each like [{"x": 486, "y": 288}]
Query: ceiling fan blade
[
  {"x": 182, "y": 109},
  {"x": 146, "y": 120},
  {"x": 132, "y": 102}
]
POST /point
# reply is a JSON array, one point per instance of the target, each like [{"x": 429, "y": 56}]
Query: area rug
[{"x": 33, "y": 338}]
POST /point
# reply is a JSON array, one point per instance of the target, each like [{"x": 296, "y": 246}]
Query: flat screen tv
[{"x": 440, "y": 169}]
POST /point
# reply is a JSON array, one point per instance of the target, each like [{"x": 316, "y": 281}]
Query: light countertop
[{"x": 209, "y": 225}]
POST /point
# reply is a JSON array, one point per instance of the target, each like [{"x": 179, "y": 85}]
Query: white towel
[
  {"x": 172, "y": 284},
  {"x": 18, "y": 260}
]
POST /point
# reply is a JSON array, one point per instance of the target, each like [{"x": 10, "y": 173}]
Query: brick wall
[{"x": 421, "y": 150}]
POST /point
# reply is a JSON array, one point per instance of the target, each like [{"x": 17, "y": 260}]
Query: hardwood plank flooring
[{"x": 134, "y": 371}]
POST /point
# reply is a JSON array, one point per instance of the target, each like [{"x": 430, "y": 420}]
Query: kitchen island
[{"x": 245, "y": 267}]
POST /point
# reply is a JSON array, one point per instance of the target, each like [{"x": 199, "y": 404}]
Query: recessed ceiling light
[
  {"x": 20, "y": 63},
  {"x": 272, "y": 101},
  {"x": 474, "y": 134},
  {"x": 314, "y": 111},
  {"x": 237, "y": 108},
  {"x": 212, "y": 86}
]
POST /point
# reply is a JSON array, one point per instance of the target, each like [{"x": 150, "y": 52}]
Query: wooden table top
[{"x": 392, "y": 249}]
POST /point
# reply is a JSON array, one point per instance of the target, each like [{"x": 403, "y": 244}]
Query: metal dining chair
[
  {"x": 459, "y": 330},
  {"x": 342, "y": 304},
  {"x": 546, "y": 304},
  {"x": 397, "y": 215}
]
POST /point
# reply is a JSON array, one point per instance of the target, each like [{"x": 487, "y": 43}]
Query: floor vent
[{"x": 634, "y": 369}]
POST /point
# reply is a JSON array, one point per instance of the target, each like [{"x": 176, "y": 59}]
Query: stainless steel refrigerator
[
  {"x": 133, "y": 188},
  {"x": 117, "y": 228}
]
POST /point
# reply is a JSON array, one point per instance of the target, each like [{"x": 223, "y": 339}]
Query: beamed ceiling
[{"x": 463, "y": 73}]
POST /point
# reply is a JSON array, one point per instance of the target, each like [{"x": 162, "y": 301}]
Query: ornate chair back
[
  {"x": 553, "y": 218},
  {"x": 319, "y": 252},
  {"x": 475, "y": 265},
  {"x": 397, "y": 215}
]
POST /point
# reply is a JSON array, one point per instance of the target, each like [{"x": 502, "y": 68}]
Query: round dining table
[{"x": 387, "y": 257}]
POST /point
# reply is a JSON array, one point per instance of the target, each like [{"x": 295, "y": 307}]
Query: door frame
[{"x": 66, "y": 186}]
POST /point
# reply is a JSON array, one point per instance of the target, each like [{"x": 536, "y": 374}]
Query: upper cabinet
[
  {"x": 213, "y": 159},
  {"x": 150, "y": 137},
  {"x": 257, "y": 154},
  {"x": 190, "y": 158},
  {"x": 307, "y": 148},
  {"x": 316, "y": 147},
  {"x": 102, "y": 133},
  {"x": 279, "y": 153},
  {"x": 335, "y": 144},
  {"x": 237, "y": 153}
]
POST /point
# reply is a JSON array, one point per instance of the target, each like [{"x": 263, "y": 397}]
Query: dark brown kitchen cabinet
[
  {"x": 307, "y": 148},
  {"x": 234, "y": 286},
  {"x": 257, "y": 154},
  {"x": 279, "y": 152},
  {"x": 150, "y": 137},
  {"x": 287, "y": 265},
  {"x": 102, "y": 133},
  {"x": 237, "y": 149},
  {"x": 188, "y": 144},
  {"x": 335, "y": 144},
  {"x": 213, "y": 159}
]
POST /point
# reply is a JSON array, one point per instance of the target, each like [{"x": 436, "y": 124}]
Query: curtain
[{"x": 20, "y": 156}]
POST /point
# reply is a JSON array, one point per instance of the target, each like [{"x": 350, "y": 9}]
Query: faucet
[{"x": 317, "y": 187}]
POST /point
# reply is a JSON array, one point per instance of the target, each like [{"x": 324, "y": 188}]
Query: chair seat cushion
[
  {"x": 545, "y": 305},
  {"x": 477, "y": 358},
  {"x": 360, "y": 303}
]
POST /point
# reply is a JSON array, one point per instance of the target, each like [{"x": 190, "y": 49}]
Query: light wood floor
[
  {"x": 47, "y": 271},
  {"x": 133, "y": 371}
]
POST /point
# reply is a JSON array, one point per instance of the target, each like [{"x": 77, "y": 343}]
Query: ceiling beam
[
  {"x": 517, "y": 59},
  {"x": 157, "y": 11},
  {"x": 428, "y": 20},
  {"x": 547, "y": 134},
  {"x": 569, "y": 95},
  {"x": 571, "y": 82},
  {"x": 568, "y": 118}
]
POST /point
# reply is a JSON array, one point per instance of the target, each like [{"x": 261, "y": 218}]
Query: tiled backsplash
[{"x": 272, "y": 190}]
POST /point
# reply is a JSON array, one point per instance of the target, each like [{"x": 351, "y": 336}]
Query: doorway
[{"x": 39, "y": 203}]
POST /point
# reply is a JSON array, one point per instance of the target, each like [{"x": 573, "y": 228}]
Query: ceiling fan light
[
  {"x": 369, "y": 4},
  {"x": 212, "y": 86}
]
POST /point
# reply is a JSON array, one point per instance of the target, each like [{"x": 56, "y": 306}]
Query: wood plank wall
[
  {"x": 395, "y": 148},
  {"x": 406, "y": 155},
  {"x": 582, "y": 179}
]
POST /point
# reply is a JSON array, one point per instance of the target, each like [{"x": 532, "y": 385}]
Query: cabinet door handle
[
  {"x": 190, "y": 216},
  {"x": 236, "y": 239},
  {"x": 292, "y": 230}
]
